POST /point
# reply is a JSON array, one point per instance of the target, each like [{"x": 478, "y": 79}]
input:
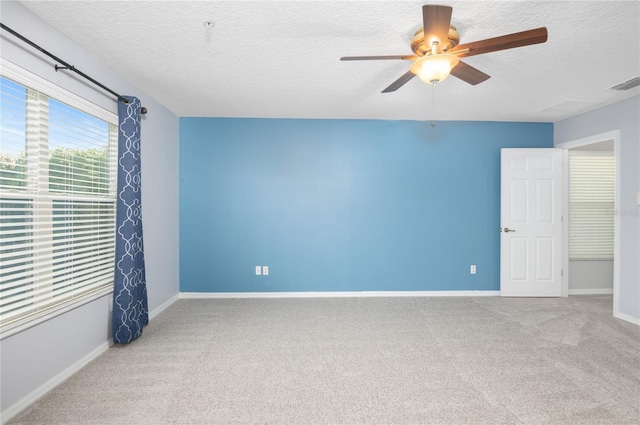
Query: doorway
[{"x": 603, "y": 144}]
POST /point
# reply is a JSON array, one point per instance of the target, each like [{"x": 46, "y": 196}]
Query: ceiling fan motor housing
[{"x": 420, "y": 48}]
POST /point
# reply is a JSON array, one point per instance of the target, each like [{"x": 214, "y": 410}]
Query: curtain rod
[{"x": 67, "y": 66}]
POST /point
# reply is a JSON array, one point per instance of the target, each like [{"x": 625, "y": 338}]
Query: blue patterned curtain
[{"x": 130, "y": 311}]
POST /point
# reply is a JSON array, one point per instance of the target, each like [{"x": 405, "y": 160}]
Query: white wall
[
  {"x": 621, "y": 116},
  {"x": 586, "y": 276},
  {"x": 38, "y": 357}
]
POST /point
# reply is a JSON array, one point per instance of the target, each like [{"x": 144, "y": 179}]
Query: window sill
[{"x": 50, "y": 314}]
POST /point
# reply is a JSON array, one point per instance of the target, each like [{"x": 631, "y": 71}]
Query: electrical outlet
[
  {"x": 472, "y": 270},
  {"x": 265, "y": 270},
  {"x": 258, "y": 270}
]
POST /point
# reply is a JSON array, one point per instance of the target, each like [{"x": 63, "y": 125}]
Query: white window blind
[
  {"x": 57, "y": 204},
  {"x": 591, "y": 205}
]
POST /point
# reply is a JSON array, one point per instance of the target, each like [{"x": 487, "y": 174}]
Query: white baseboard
[
  {"x": 163, "y": 306},
  {"x": 597, "y": 291},
  {"x": 339, "y": 294},
  {"x": 627, "y": 318},
  {"x": 33, "y": 396}
]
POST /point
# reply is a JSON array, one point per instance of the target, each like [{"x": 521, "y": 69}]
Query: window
[
  {"x": 57, "y": 199},
  {"x": 591, "y": 205}
]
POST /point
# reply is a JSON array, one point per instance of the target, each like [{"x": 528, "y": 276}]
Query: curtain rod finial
[{"x": 143, "y": 110}]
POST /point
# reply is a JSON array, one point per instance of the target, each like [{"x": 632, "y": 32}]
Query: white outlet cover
[
  {"x": 265, "y": 270},
  {"x": 258, "y": 270}
]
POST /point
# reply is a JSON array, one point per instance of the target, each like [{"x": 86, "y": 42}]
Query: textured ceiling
[{"x": 281, "y": 59}]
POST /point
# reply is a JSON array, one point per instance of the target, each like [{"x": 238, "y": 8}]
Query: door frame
[{"x": 589, "y": 140}]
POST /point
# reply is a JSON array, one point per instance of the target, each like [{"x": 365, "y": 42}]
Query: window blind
[
  {"x": 57, "y": 204},
  {"x": 591, "y": 205}
]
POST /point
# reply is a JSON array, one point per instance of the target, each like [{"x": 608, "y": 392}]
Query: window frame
[{"x": 32, "y": 81}]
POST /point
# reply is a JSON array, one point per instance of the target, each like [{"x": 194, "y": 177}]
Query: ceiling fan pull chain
[{"x": 433, "y": 105}]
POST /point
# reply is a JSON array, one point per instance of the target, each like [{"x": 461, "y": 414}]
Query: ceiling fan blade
[
  {"x": 436, "y": 20},
  {"x": 509, "y": 41},
  {"x": 374, "y": 58},
  {"x": 469, "y": 74},
  {"x": 399, "y": 82}
]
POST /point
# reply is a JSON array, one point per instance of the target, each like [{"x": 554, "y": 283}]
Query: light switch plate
[{"x": 258, "y": 270}]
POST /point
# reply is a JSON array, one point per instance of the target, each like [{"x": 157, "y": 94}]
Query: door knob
[{"x": 507, "y": 230}]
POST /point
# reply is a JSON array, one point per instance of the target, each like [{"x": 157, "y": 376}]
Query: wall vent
[{"x": 634, "y": 82}]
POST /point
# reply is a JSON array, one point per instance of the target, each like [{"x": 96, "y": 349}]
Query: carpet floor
[{"x": 482, "y": 360}]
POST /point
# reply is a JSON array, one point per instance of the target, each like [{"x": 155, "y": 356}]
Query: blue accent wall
[{"x": 343, "y": 205}]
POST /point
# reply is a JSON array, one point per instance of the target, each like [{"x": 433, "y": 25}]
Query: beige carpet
[{"x": 363, "y": 361}]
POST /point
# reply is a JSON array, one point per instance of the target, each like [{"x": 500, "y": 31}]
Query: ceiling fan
[{"x": 438, "y": 52}]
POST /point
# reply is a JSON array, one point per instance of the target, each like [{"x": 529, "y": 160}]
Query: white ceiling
[{"x": 280, "y": 59}]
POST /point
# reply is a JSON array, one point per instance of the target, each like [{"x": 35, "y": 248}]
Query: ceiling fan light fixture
[{"x": 434, "y": 68}]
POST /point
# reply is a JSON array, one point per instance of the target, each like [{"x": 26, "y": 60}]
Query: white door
[{"x": 531, "y": 223}]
